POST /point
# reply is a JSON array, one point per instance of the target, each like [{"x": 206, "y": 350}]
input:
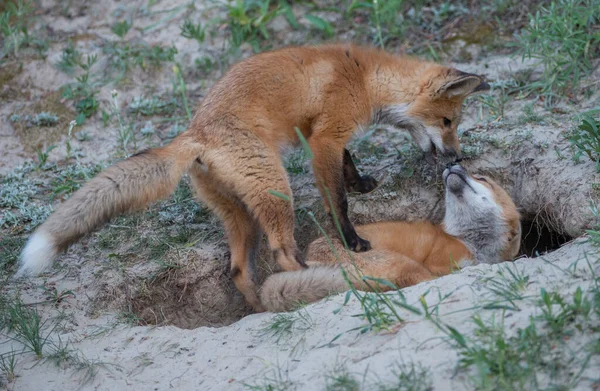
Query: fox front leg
[
  {"x": 353, "y": 181},
  {"x": 328, "y": 166}
]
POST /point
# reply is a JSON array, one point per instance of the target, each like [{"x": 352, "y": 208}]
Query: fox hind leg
[{"x": 242, "y": 230}]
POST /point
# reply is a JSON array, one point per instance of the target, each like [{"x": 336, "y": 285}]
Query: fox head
[
  {"x": 482, "y": 214},
  {"x": 434, "y": 112}
]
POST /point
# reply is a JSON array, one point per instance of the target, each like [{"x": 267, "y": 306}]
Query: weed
[
  {"x": 339, "y": 379},
  {"x": 14, "y": 24},
  {"x": 386, "y": 17},
  {"x": 8, "y": 364},
  {"x": 529, "y": 115},
  {"x": 62, "y": 356},
  {"x": 294, "y": 163},
  {"x": 409, "y": 377},
  {"x": 150, "y": 106},
  {"x": 70, "y": 178},
  {"x": 43, "y": 155},
  {"x": 123, "y": 56},
  {"x": 27, "y": 326},
  {"x": 247, "y": 21},
  {"x": 558, "y": 314},
  {"x": 121, "y": 28},
  {"x": 125, "y": 132},
  {"x": 284, "y": 325},
  {"x": 508, "y": 284},
  {"x": 180, "y": 87},
  {"x": 55, "y": 296},
  {"x": 83, "y": 90},
  {"x": 40, "y": 119},
  {"x": 193, "y": 31},
  {"x": 10, "y": 248},
  {"x": 586, "y": 138},
  {"x": 275, "y": 380},
  {"x": 498, "y": 97},
  {"x": 321, "y": 24},
  {"x": 563, "y": 38},
  {"x": 69, "y": 59}
]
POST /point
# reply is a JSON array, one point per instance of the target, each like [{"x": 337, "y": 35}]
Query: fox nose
[
  {"x": 451, "y": 154},
  {"x": 455, "y": 162}
]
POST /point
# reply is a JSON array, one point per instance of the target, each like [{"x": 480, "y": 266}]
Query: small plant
[
  {"x": 28, "y": 327},
  {"x": 123, "y": 56},
  {"x": 10, "y": 248},
  {"x": 409, "y": 377},
  {"x": 69, "y": 59},
  {"x": 586, "y": 138},
  {"x": 41, "y": 119},
  {"x": 125, "y": 132},
  {"x": 83, "y": 90},
  {"x": 385, "y": 16},
  {"x": 180, "y": 87},
  {"x": 55, "y": 296},
  {"x": 193, "y": 31},
  {"x": 247, "y": 20},
  {"x": 121, "y": 28},
  {"x": 275, "y": 380},
  {"x": 321, "y": 24},
  {"x": 8, "y": 363},
  {"x": 284, "y": 325},
  {"x": 564, "y": 37},
  {"x": 14, "y": 25},
  {"x": 43, "y": 155},
  {"x": 340, "y": 379}
]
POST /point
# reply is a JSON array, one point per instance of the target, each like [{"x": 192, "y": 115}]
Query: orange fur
[
  {"x": 232, "y": 147},
  {"x": 404, "y": 253}
]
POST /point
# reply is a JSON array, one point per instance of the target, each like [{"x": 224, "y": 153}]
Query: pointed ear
[{"x": 462, "y": 84}]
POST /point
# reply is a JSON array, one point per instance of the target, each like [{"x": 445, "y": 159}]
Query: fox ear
[{"x": 462, "y": 84}]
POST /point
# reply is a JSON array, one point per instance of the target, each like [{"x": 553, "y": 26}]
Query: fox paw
[
  {"x": 365, "y": 184},
  {"x": 359, "y": 245}
]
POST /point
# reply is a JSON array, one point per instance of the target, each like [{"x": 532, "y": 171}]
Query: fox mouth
[
  {"x": 456, "y": 178},
  {"x": 433, "y": 152}
]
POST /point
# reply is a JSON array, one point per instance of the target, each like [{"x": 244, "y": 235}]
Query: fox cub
[
  {"x": 231, "y": 149},
  {"x": 481, "y": 225}
]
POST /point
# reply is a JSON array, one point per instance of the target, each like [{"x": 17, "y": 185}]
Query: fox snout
[{"x": 455, "y": 177}]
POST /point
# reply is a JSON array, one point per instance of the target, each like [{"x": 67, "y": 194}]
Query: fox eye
[
  {"x": 447, "y": 122},
  {"x": 482, "y": 179}
]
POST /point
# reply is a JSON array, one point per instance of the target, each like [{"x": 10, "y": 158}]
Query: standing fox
[
  {"x": 481, "y": 225},
  {"x": 231, "y": 149}
]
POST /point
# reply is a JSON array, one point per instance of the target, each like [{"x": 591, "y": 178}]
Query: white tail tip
[{"x": 37, "y": 255}]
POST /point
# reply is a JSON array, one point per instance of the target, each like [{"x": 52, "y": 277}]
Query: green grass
[
  {"x": 27, "y": 326},
  {"x": 563, "y": 36},
  {"x": 586, "y": 137},
  {"x": 409, "y": 377},
  {"x": 15, "y": 23},
  {"x": 10, "y": 248},
  {"x": 8, "y": 364},
  {"x": 274, "y": 380},
  {"x": 284, "y": 326},
  {"x": 84, "y": 90}
]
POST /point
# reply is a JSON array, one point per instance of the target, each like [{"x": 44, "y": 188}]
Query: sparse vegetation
[
  {"x": 167, "y": 264},
  {"x": 563, "y": 35},
  {"x": 586, "y": 137}
]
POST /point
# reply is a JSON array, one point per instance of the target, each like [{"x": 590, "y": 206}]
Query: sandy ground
[
  {"x": 226, "y": 358},
  {"x": 531, "y": 158}
]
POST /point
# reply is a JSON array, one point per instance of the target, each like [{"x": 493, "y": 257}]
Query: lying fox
[
  {"x": 481, "y": 225},
  {"x": 231, "y": 149}
]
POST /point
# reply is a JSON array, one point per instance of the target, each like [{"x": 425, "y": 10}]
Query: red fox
[
  {"x": 232, "y": 147},
  {"x": 481, "y": 225}
]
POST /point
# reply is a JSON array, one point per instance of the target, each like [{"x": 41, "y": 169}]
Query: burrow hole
[{"x": 539, "y": 237}]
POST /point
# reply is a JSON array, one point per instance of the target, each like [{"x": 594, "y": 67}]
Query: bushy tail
[
  {"x": 286, "y": 290},
  {"x": 126, "y": 186}
]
